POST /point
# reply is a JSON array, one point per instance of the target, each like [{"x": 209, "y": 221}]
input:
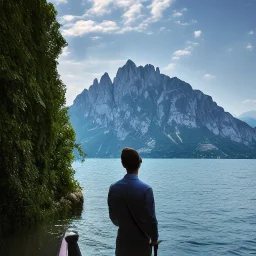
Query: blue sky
[{"x": 210, "y": 44}]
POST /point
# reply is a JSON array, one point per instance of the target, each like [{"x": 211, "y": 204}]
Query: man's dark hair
[{"x": 130, "y": 159}]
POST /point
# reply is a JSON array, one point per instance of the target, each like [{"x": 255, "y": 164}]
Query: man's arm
[
  {"x": 111, "y": 208},
  {"x": 152, "y": 221}
]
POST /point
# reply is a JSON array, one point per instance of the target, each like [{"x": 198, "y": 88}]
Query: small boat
[{"x": 69, "y": 245}]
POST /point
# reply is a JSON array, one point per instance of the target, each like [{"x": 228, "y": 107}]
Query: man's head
[{"x": 131, "y": 160}]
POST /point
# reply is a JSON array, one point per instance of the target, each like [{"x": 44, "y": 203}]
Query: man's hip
[{"x": 133, "y": 247}]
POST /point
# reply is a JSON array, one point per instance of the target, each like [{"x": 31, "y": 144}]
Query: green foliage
[{"x": 36, "y": 138}]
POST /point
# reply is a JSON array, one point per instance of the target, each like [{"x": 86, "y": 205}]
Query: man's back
[
  {"x": 140, "y": 199},
  {"x": 132, "y": 209}
]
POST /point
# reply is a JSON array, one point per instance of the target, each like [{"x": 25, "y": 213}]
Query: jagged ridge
[{"x": 158, "y": 115}]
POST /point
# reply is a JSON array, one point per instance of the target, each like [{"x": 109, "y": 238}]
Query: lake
[{"x": 204, "y": 207}]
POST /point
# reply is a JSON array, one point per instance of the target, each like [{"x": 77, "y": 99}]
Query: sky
[{"x": 210, "y": 44}]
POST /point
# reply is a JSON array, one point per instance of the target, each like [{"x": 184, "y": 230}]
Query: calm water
[{"x": 204, "y": 207}]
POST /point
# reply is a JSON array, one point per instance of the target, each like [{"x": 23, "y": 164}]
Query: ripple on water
[{"x": 204, "y": 208}]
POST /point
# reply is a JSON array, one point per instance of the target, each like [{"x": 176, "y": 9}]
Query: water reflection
[{"x": 41, "y": 240}]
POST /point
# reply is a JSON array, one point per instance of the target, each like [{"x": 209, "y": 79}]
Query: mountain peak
[
  {"x": 158, "y": 115},
  {"x": 105, "y": 79},
  {"x": 149, "y": 68},
  {"x": 95, "y": 81},
  {"x": 130, "y": 63}
]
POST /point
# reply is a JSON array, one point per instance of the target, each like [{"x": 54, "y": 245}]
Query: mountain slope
[
  {"x": 249, "y": 117},
  {"x": 158, "y": 115}
]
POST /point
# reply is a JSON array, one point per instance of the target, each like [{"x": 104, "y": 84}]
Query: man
[{"x": 132, "y": 209}]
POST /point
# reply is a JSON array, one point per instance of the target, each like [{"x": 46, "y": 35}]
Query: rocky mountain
[
  {"x": 249, "y": 117},
  {"x": 159, "y": 116}
]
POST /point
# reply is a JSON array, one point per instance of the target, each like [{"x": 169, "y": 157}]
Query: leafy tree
[{"x": 36, "y": 138}]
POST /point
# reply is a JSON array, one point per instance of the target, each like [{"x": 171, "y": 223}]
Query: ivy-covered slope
[{"x": 36, "y": 138}]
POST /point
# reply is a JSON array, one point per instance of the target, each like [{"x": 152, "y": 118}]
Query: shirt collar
[{"x": 131, "y": 176}]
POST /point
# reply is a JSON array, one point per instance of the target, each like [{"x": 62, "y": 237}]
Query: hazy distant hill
[
  {"x": 158, "y": 115},
  {"x": 249, "y": 117}
]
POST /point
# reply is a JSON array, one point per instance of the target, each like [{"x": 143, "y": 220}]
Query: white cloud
[
  {"x": 68, "y": 18},
  {"x": 197, "y": 33},
  {"x": 133, "y": 14},
  {"x": 132, "y": 11},
  {"x": 189, "y": 48},
  {"x": 67, "y": 25},
  {"x": 192, "y": 43},
  {"x": 58, "y": 2},
  {"x": 181, "y": 23},
  {"x": 250, "y": 101},
  {"x": 65, "y": 52},
  {"x": 175, "y": 58},
  {"x": 185, "y": 52},
  {"x": 95, "y": 38},
  {"x": 140, "y": 28},
  {"x": 100, "y": 7},
  {"x": 170, "y": 66},
  {"x": 129, "y": 29},
  {"x": 251, "y": 32},
  {"x": 185, "y": 23},
  {"x": 182, "y": 52},
  {"x": 177, "y": 14},
  {"x": 158, "y": 7},
  {"x": 249, "y": 47},
  {"x": 126, "y": 3},
  {"x": 179, "y": 53},
  {"x": 209, "y": 76},
  {"x": 164, "y": 29},
  {"x": 82, "y": 27}
]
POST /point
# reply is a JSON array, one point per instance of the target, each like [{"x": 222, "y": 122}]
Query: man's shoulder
[
  {"x": 121, "y": 182},
  {"x": 116, "y": 184},
  {"x": 144, "y": 185}
]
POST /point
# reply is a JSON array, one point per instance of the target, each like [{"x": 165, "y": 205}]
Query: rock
[
  {"x": 143, "y": 105},
  {"x": 71, "y": 203},
  {"x": 76, "y": 198}
]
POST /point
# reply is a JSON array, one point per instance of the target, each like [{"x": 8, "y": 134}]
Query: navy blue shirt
[{"x": 140, "y": 198}]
